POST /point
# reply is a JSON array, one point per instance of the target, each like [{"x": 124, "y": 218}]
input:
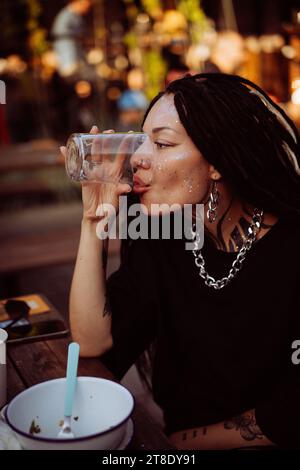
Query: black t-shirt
[{"x": 218, "y": 352}]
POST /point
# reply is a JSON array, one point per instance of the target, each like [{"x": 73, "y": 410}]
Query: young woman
[{"x": 225, "y": 319}]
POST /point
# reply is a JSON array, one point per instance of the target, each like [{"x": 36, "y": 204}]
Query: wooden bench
[
  {"x": 39, "y": 237},
  {"x": 29, "y": 189},
  {"x": 30, "y": 156}
]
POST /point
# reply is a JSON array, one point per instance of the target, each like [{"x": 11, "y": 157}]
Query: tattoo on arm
[
  {"x": 105, "y": 253},
  {"x": 106, "y": 308},
  {"x": 193, "y": 434},
  {"x": 246, "y": 425}
]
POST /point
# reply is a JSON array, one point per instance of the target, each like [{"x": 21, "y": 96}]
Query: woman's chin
[{"x": 157, "y": 208}]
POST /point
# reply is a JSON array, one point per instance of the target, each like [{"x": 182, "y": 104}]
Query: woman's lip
[
  {"x": 138, "y": 181},
  {"x": 138, "y": 188}
]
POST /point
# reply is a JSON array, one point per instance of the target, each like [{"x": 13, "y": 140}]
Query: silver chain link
[{"x": 237, "y": 263}]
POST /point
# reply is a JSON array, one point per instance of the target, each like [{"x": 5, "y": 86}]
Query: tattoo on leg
[{"x": 246, "y": 425}]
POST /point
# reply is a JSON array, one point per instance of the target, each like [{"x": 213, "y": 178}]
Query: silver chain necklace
[{"x": 237, "y": 263}]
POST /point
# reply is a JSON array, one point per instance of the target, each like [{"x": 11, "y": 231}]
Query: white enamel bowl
[{"x": 101, "y": 412}]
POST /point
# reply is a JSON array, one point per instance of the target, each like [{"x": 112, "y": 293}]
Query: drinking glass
[{"x": 105, "y": 157}]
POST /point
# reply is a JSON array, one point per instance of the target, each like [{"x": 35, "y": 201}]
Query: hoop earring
[{"x": 213, "y": 202}]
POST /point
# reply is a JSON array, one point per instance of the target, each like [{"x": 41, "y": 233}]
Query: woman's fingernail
[
  {"x": 61, "y": 148},
  {"x": 94, "y": 128}
]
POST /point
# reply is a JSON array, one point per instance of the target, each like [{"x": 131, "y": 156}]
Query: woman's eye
[{"x": 161, "y": 146}]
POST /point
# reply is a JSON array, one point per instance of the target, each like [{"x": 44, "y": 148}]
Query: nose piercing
[{"x": 142, "y": 163}]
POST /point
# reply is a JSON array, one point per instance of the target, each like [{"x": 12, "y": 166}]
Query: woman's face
[{"x": 175, "y": 171}]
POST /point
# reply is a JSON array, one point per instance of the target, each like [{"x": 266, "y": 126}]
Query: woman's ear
[{"x": 214, "y": 174}]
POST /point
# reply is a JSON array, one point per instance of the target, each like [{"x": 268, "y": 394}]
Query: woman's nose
[
  {"x": 141, "y": 162},
  {"x": 142, "y": 157}
]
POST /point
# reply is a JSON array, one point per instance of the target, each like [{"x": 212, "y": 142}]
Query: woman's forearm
[
  {"x": 89, "y": 314},
  {"x": 240, "y": 431}
]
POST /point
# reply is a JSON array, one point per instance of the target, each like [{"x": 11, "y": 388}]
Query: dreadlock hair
[{"x": 247, "y": 137}]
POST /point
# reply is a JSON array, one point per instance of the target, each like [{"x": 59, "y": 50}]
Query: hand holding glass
[{"x": 105, "y": 157}]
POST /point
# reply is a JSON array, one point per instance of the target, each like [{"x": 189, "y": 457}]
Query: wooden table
[{"x": 32, "y": 363}]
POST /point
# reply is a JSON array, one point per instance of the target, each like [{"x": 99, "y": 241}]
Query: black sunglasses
[{"x": 16, "y": 310}]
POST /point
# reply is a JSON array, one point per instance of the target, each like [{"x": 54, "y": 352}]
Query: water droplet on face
[{"x": 188, "y": 182}]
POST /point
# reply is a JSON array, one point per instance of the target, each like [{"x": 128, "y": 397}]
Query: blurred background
[
  {"x": 66, "y": 65},
  {"x": 69, "y": 64}
]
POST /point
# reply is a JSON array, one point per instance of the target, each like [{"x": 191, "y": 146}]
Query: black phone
[{"x": 35, "y": 331}]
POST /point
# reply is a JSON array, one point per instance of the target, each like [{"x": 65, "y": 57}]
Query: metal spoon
[{"x": 71, "y": 380}]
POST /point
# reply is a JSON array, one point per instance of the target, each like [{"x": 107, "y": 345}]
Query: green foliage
[
  {"x": 153, "y": 65},
  {"x": 34, "y": 11},
  {"x": 131, "y": 40},
  {"x": 38, "y": 42},
  {"x": 151, "y": 6},
  {"x": 155, "y": 70},
  {"x": 37, "y": 36},
  {"x": 195, "y": 15}
]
